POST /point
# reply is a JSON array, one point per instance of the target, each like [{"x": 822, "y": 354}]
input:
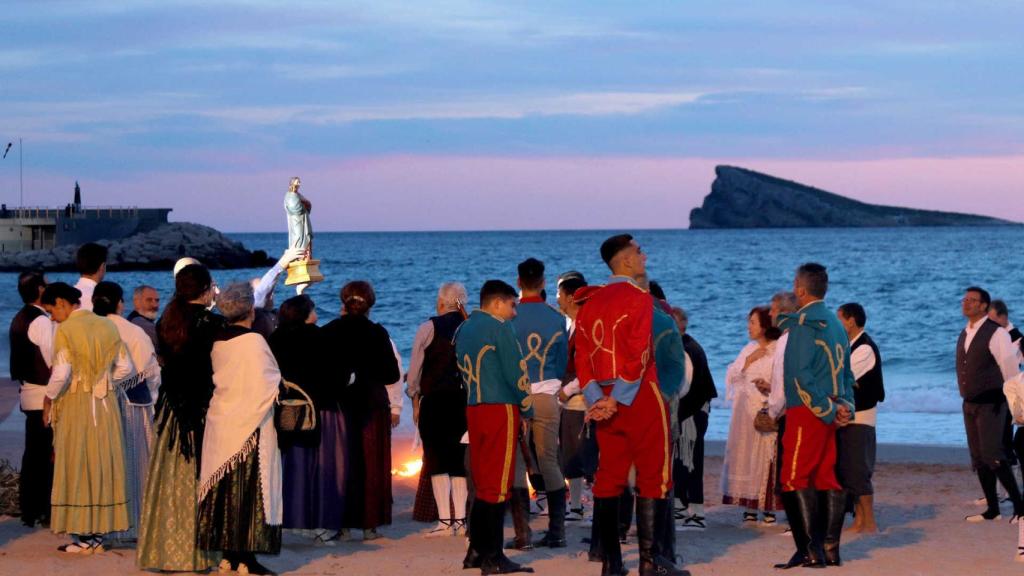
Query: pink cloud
[{"x": 473, "y": 193}]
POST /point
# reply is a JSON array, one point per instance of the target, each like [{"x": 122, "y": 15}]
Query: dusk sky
[{"x": 525, "y": 115}]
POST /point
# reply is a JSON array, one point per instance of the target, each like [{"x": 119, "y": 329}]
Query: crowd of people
[{"x": 164, "y": 430}]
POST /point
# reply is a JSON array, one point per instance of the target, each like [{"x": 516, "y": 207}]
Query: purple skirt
[{"x": 314, "y": 478}]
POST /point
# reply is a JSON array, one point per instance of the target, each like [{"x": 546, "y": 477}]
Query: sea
[{"x": 910, "y": 281}]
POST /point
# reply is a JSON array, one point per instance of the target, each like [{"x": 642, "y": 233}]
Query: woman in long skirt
[
  {"x": 367, "y": 366},
  {"x": 240, "y": 476},
  {"x": 167, "y": 533},
  {"x": 313, "y": 462},
  {"x": 89, "y": 498},
  {"x": 135, "y": 396},
  {"x": 748, "y": 470}
]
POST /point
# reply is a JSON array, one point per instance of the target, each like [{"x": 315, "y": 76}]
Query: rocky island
[
  {"x": 156, "y": 249},
  {"x": 742, "y": 198}
]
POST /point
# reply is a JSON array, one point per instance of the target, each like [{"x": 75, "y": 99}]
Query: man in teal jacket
[
  {"x": 494, "y": 372},
  {"x": 819, "y": 398}
]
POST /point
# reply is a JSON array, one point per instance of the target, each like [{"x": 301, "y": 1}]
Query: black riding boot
[
  {"x": 606, "y": 521},
  {"x": 833, "y": 512},
  {"x": 807, "y": 509},
  {"x": 555, "y": 536},
  {"x": 519, "y": 505},
  {"x": 796, "y": 526},
  {"x": 596, "y": 553},
  {"x": 651, "y": 564},
  {"x": 626, "y": 502},
  {"x": 664, "y": 530},
  {"x": 479, "y": 538},
  {"x": 495, "y": 562}
]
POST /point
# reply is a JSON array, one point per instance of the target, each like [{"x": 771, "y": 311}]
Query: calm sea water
[{"x": 909, "y": 280}]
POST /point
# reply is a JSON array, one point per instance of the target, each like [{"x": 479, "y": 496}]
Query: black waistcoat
[
  {"x": 977, "y": 372},
  {"x": 869, "y": 389},
  {"x": 27, "y": 364},
  {"x": 440, "y": 370}
]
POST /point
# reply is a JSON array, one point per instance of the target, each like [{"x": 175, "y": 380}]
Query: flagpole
[{"x": 21, "y": 172}]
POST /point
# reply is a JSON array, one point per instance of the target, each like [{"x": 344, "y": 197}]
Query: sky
[{"x": 402, "y": 115}]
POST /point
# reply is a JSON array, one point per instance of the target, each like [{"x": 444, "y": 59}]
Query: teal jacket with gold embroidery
[
  {"x": 544, "y": 339},
  {"x": 669, "y": 356},
  {"x": 817, "y": 368},
  {"x": 491, "y": 362}
]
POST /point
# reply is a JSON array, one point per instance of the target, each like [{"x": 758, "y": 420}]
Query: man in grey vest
[{"x": 985, "y": 358}]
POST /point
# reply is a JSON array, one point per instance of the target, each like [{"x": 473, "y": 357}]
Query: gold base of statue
[{"x": 303, "y": 272}]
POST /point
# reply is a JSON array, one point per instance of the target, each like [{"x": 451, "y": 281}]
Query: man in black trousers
[
  {"x": 31, "y": 337},
  {"x": 985, "y": 358}
]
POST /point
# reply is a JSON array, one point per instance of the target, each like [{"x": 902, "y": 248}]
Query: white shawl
[
  {"x": 246, "y": 379},
  {"x": 1013, "y": 389},
  {"x": 749, "y": 454},
  {"x": 140, "y": 348}
]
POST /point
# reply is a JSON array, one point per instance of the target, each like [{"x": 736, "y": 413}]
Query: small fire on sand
[{"x": 408, "y": 469}]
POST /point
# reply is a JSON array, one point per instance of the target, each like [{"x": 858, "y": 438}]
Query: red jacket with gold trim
[{"x": 614, "y": 342}]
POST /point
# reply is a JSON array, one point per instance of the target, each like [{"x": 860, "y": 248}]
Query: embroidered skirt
[
  {"x": 231, "y": 515},
  {"x": 167, "y": 528}
]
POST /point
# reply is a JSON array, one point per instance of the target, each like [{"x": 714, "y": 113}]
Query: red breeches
[
  {"x": 636, "y": 435},
  {"x": 493, "y": 433},
  {"x": 808, "y": 452}
]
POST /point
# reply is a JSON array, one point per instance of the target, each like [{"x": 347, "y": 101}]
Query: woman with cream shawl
[
  {"x": 748, "y": 468},
  {"x": 240, "y": 509},
  {"x": 89, "y": 497}
]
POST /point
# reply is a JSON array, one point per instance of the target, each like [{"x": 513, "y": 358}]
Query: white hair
[{"x": 452, "y": 295}]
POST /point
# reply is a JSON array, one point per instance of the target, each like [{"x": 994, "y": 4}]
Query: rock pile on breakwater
[{"x": 154, "y": 250}]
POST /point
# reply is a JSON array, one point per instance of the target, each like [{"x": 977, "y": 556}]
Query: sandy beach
[{"x": 923, "y": 493}]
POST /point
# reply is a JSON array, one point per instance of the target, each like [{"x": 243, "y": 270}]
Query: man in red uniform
[{"x": 616, "y": 369}]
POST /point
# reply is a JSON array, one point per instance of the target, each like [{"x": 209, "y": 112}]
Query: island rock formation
[
  {"x": 157, "y": 249},
  {"x": 742, "y": 198}
]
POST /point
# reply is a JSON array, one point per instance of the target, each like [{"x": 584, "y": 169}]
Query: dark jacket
[
  {"x": 186, "y": 385},
  {"x": 361, "y": 348},
  {"x": 702, "y": 388},
  {"x": 300, "y": 355}
]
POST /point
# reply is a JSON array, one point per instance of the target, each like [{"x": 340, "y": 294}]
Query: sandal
[
  {"x": 443, "y": 528},
  {"x": 749, "y": 518},
  {"x": 768, "y": 518},
  {"x": 75, "y": 548},
  {"x": 324, "y": 538}
]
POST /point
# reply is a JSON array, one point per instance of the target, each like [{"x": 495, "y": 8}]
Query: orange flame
[{"x": 408, "y": 469}]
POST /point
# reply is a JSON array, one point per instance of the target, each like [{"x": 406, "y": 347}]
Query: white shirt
[
  {"x": 777, "y": 396},
  {"x": 40, "y": 333},
  {"x": 999, "y": 346},
  {"x": 395, "y": 388},
  {"x": 86, "y": 287},
  {"x": 1013, "y": 388},
  {"x": 266, "y": 285},
  {"x": 862, "y": 360},
  {"x": 424, "y": 336},
  {"x": 1016, "y": 343},
  {"x": 140, "y": 348}
]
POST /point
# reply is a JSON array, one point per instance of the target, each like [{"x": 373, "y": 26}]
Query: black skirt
[
  {"x": 231, "y": 515},
  {"x": 442, "y": 425}
]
